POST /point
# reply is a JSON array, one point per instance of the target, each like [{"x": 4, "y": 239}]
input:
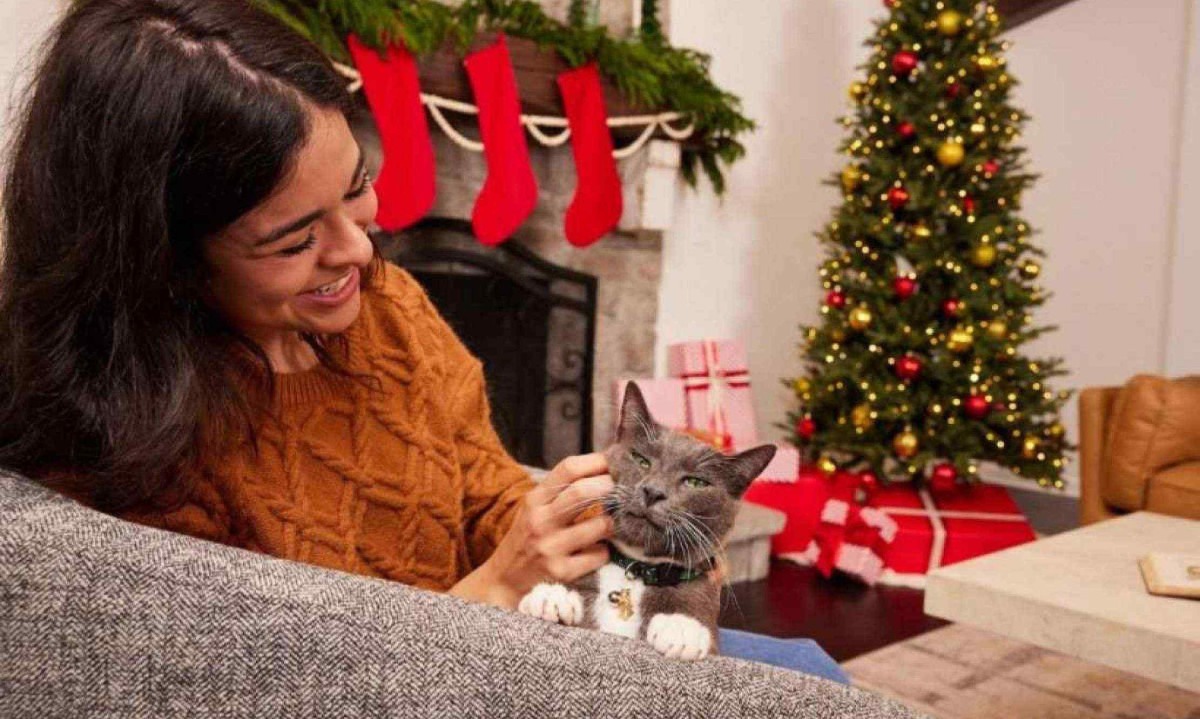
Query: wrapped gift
[
  {"x": 940, "y": 528},
  {"x": 849, "y": 537},
  {"x": 717, "y": 388},
  {"x": 664, "y": 398},
  {"x": 801, "y": 500},
  {"x": 784, "y": 467}
]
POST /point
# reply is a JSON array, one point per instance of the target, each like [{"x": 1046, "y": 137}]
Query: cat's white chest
[{"x": 615, "y": 617}]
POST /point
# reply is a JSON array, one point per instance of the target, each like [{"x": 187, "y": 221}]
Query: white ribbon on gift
[
  {"x": 935, "y": 517},
  {"x": 716, "y": 381}
]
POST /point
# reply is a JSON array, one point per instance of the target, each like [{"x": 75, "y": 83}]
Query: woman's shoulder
[{"x": 398, "y": 316}]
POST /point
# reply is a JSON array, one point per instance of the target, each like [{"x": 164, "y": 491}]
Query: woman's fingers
[
  {"x": 578, "y": 496},
  {"x": 576, "y": 538},
  {"x": 566, "y": 472},
  {"x": 568, "y": 569}
]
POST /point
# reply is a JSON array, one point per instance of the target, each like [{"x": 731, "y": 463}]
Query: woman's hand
[{"x": 549, "y": 540}]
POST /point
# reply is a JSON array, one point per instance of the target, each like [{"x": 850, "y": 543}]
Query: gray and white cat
[{"x": 673, "y": 502}]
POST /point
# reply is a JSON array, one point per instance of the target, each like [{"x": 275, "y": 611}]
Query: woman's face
[{"x": 292, "y": 264}]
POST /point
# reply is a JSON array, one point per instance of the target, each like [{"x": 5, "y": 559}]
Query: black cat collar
[{"x": 665, "y": 574}]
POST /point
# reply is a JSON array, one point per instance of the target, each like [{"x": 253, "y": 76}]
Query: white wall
[
  {"x": 22, "y": 25},
  {"x": 1103, "y": 82}
]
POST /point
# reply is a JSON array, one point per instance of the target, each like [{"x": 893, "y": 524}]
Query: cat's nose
[{"x": 650, "y": 495}]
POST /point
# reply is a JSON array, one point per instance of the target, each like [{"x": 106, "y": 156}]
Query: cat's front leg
[
  {"x": 554, "y": 603},
  {"x": 679, "y": 636}
]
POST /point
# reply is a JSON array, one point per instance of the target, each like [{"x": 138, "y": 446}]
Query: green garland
[{"x": 645, "y": 67}]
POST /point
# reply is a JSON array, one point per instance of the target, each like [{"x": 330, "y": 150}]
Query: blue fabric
[{"x": 802, "y": 655}]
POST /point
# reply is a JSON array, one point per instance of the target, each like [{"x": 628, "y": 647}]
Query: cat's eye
[
  {"x": 696, "y": 482},
  {"x": 641, "y": 461}
]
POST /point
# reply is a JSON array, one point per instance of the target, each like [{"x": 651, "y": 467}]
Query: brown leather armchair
[{"x": 1139, "y": 448}]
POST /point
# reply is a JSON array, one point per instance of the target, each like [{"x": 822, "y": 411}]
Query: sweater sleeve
[{"x": 494, "y": 483}]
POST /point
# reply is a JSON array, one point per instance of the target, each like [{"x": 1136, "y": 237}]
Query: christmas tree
[{"x": 915, "y": 371}]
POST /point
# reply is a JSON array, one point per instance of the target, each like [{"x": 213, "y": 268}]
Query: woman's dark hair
[{"x": 151, "y": 125}]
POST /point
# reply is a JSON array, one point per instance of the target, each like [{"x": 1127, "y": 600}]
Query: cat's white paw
[
  {"x": 679, "y": 636},
  {"x": 554, "y": 603}
]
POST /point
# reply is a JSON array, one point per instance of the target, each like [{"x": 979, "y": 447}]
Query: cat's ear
[
  {"x": 636, "y": 421},
  {"x": 749, "y": 464}
]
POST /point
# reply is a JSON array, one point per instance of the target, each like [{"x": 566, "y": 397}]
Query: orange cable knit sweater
[{"x": 408, "y": 482}]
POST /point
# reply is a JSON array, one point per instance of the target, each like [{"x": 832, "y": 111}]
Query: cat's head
[{"x": 674, "y": 496}]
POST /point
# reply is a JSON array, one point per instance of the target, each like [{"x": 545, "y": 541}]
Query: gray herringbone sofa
[{"x": 104, "y": 618}]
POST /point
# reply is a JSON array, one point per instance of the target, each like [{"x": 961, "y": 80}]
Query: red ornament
[
  {"x": 889, "y": 3},
  {"x": 904, "y": 287},
  {"x": 897, "y": 197},
  {"x": 976, "y": 406},
  {"x": 991, "y": 167},
  {"x": 835, "y": 299},
  {"x": 908, "y": 367},
  {"x": 904, "y": 62},
  {"x": 952, "y": 307},
  {"x": 969, "y": 205},
  {"x": 999, "y": 407},
  {"x": 906, "y": 130},
  {"x": 943, "y": 478},
  {"x": 954, "y": 90},
  {"x": 806, "y": 427}
]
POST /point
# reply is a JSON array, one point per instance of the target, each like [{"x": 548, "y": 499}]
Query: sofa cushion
[
  {"x": 1176, "y": 491},
  {"x": 1155, "y": 426},
  {"x": 101, "y": 617}
]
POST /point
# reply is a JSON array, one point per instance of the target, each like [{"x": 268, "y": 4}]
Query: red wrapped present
[
  {"x": 664, "y": 398},
  {"x": 941, "y": 528},
  {"x": 717, "y": 388},
  {"x": 850, "y": 538},
  {"x": 801, "y": 500}
]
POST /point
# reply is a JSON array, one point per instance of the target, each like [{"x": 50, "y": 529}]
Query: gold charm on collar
[{"x": 623, "y": 602}]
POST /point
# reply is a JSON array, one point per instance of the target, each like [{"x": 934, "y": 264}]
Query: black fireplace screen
[{"x": 531, "y": 322}]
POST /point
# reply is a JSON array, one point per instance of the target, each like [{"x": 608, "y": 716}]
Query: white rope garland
[{"x": 534, "y": 123}]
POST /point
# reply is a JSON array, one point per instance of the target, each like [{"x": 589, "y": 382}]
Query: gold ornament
[
  {"x": 921, "y": 232},
  {"x": 997, "y": 329},
  {"x": 949, "y": 23},
  {"x": 860, "y": 318},
  {"x": 857, "y": 91},
  {"x": 827, "y": 466},
  {"x": 950, "y": 154},
  {"x": 861, "y": 416},
  {"x": 1031, "y": 269},
  {"x": 1056, "y": 431},
  {"x": 959, "y": 340},
  {"x": 1029, "y": 447},
  {"x": 986, "y": 63},
  {"x": 802, "y": 386},
  {"x": 905, "y": 445},
  {"x": 838, "y": 334},
  {"x": 983, "y": 255},
  {"x": 851, "y": 177}
]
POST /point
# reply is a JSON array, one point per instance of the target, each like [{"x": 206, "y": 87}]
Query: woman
[{"x": 197, "y": 333}]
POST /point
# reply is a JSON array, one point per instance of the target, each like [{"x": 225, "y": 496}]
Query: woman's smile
[{"x": 335, "y": 293}]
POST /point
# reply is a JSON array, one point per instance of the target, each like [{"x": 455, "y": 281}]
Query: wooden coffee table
[{"x": 1081, "y": 593}]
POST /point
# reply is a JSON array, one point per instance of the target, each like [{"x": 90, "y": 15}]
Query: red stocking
[
  {"x": 510, "y": 192},
  {"x": 405, "y": 185},
  {"x": 596, "y": 207}
]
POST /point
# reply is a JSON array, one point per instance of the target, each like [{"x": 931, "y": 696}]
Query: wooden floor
[
  {"x": 846, "y": 618},
  {"x": 959, "y": 672}
]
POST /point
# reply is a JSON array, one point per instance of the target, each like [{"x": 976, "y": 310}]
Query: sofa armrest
[
  {"x": 103, "y": 617},
  {"x": 1095, "y": 408}
]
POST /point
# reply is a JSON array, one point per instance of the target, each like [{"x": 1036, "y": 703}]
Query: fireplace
[{"x": 531, "y": 322}]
